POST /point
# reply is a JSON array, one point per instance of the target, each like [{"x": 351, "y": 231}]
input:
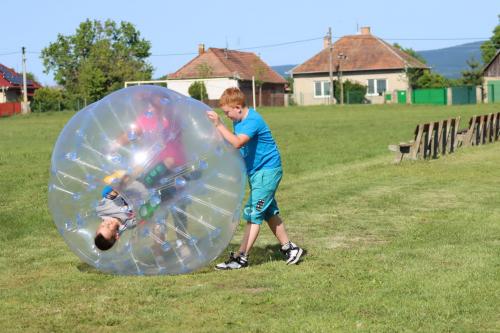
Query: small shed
[{"x": 491, "y": 75}]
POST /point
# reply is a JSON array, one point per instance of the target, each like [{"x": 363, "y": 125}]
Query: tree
[
  {"x": 98, "y": 58},
  {"x": 491, "y": 46},
  {"x": 474, "y": 75},
  {"x": 31, "y": 76},
  {"x": 413, "y": 74},
  {"x": 260, "y": 70},
  {"x": 204, "y": 71},
  {"x": 198, "y": 91},
  {"x": 411, "y": 52},
  {"x": 431, "y": 80},
  {"x": 289, "y": 82},
  {"x": 354, "y": 93}
]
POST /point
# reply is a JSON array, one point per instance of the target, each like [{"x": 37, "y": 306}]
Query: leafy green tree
[
  {"x": 413, "y": 74},
  {"x": 98, "y": 58},
  {"x": 354, "y": 93},
  {"x": 47, "y": 99},
  {"x": 411, "y": 52},
  {"x": 474, "y": 75},
  {"x": 204, "y": 71},
  {"x": 31, "y": 76},
  {"x": 198, "y": 91},
  {"x": 431, "y": 80},
  {"x": 259, "y": 70},
  {"x": 289, "y": 81},
  {"x": 490, "y": 47}
]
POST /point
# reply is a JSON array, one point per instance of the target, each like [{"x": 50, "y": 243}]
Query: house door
[
  {"x": 401, "y": 96},
  {"x": 494, "y": 91}
]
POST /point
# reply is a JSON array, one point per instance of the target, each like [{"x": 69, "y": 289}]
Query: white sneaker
[
  {"x": 292, "y": 253},
  {"x": 233, "y": 263}
]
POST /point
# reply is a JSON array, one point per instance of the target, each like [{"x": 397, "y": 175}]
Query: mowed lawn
[{"x": 391, "y": 248}]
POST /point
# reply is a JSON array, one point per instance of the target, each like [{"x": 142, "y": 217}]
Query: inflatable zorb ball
[{"x": 182, "y": 183}]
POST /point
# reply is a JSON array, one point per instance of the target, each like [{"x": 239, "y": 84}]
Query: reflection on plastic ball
[{"x": 181, "y": 183}]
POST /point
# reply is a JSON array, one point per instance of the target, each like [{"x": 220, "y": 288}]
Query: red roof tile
[
  {"x": 364, "y": 52},
  {"x": 228, "y": 64}
]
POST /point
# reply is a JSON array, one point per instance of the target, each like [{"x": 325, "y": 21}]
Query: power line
[
  {"x": 280, "y": 44},
  {"x": 295, "y": 42},
  {"x": 10, "y": 53}
]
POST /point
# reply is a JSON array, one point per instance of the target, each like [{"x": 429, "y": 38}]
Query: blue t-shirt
[{"x": 261, "y": 152}]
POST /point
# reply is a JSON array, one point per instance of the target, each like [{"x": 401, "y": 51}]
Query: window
[
  {"x": 377, "y": 86},
  {"x": 317, "y": 89},
  {"x": 321, "y": 88}
]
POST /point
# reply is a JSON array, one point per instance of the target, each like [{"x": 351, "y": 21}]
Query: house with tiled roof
[
  {"x": 491, "y": 75},
  {"x": 220, "y": 68},
  {"x": 11, "y": 85},
  {"x": 362, "y": 58}
]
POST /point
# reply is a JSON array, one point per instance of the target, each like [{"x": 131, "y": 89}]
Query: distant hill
[{"x": 448, "y": 62}]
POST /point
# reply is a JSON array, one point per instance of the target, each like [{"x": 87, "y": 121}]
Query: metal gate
[
  {"x": 463, "y": 95},
  {"x": 437, "y": 96},
  {"x": 494, "y": 91}
]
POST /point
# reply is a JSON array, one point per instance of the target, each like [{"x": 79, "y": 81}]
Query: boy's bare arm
[{"x": 237, "y": 141}]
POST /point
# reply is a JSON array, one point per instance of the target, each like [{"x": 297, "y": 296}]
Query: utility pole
[
  {"x": 330, "y": 62},
  {"x": 341, "y": 57},
  {"x": 253, "y": 91},
  {"x": 25, "y": 109}
]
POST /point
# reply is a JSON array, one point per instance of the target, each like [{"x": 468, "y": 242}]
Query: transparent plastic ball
[{"x": 182, "y": 185}]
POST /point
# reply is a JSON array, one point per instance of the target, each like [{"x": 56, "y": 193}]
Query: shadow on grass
[
  {"x": 258, "y": 256},
  {"x": 86, "y": 268}
]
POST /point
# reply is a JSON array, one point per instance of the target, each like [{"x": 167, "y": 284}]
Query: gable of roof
[
  {"x": 222, "y": 63},
  {"x": 10, "y": 78},
  {"x": 495, "y": 57},
  {"x": 364, "y": 53}
]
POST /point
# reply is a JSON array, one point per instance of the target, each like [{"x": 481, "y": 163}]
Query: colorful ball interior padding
[{"x": 181, "y": 181}]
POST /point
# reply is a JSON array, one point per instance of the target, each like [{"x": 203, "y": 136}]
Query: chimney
[
  {"x": 201, "y": 49},
  {"x": 365, "y": 31},
  {"x": 326, "y": 42}
]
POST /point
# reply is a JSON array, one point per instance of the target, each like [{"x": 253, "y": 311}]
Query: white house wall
[
  {"x": 303, "y": 87},
  {"x": 215, "y": 87}
]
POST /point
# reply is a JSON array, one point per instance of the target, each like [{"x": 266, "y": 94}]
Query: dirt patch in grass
[{"x": 335, "y": 242}]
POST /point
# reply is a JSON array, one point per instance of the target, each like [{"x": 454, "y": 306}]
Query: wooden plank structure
[
  {"x": 431, "y": 140},
  {"x": 482, "y": 129}
]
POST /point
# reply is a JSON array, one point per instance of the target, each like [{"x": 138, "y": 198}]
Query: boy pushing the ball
[{"x": 263, "y": 163}]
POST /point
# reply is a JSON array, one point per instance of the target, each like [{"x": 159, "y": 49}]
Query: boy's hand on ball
[{"x": 214, "y": 117}]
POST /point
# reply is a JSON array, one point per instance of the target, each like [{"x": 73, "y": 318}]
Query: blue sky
[{"x": 179, "y": 26}]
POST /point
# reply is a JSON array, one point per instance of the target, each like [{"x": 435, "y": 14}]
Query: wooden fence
[
  {"x": 431, "y": 140},
  {"x": 443, "y": 137},
  {"x": 10, "y": 108},
  {"x": 482, "y": 130}
]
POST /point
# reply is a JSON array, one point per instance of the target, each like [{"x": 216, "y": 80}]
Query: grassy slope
[{"x": 413, "y": 247}]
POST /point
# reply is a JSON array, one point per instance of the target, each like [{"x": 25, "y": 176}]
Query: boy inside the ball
[{"x": 116, "y": 217}]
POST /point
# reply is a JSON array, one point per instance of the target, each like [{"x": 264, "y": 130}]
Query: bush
[
  {"x": 354, "y": 93},
  {"x": 198, "y": 91},
  {"x": 47, "y": 99}
]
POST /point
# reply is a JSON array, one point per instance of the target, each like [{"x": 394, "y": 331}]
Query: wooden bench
[
  {"x": 431, "y": 140},
  {"x": 482, "y": 129}
]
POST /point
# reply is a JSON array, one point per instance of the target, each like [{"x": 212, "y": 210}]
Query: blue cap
[{"x": 106, "y": 190}]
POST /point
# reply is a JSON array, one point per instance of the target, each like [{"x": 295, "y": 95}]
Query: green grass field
[{"x": 391, "y": 248}]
